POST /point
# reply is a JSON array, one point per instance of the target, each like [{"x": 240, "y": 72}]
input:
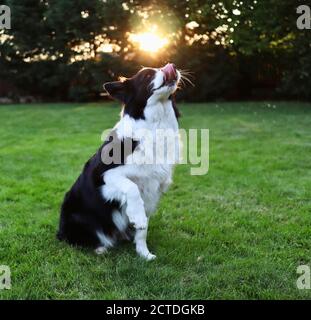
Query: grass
[{"x": 238, "y": 232}]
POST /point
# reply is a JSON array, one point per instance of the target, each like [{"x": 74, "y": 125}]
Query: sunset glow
[{"x": 149, "y": 41}]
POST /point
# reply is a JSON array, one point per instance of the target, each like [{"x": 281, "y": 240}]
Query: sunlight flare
[{"x": 149, "y": 41}]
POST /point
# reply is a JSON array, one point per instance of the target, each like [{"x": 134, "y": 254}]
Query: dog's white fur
[{"x": 139, "y": 186}]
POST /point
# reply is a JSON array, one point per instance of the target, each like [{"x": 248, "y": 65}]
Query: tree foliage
[{"x": 235, "y": 49}]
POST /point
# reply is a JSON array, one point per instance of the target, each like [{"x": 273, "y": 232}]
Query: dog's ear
[{"x": 117, "y": 90}]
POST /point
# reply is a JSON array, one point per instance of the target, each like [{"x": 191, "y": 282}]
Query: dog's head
[{"x": 147, "y": 86}]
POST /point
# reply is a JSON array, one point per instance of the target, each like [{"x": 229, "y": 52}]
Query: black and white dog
[{"x": 111, "y": 202}]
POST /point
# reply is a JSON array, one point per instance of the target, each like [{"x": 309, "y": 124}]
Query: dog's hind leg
[
  {"x": 101, "y": 250},
  {"x": 106, "y": 242}
]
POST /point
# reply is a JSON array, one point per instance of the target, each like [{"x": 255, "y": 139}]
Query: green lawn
[{"x": 238, "y": 232}]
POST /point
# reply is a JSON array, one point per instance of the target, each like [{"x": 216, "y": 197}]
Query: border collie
[{"x": 113, "y": 202}]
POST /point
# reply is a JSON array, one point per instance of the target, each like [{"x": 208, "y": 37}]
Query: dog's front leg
[
  {"x": 135, "y": 209},
  {"x": 119, "y": 187},
  {"x": 141, "y": 244}
]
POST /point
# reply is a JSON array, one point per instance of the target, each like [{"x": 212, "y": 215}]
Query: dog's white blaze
[{"x": 158, "y": 79}]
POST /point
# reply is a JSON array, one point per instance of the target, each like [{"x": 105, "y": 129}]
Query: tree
[{"x": 235, "y": 49}]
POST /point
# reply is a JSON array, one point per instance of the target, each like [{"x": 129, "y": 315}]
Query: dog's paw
[
  {"x": 100, "y": 250},
  {"x": 151, "y": 257},
  {"x": 147, "y": 256}
]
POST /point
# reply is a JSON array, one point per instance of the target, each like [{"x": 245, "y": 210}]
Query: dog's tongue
[{"x": 170, "y": 72}]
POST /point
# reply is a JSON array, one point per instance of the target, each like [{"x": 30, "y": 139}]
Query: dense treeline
[{"x": 66, "y": 49}]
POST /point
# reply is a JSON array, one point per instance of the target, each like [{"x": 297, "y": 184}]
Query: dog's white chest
[{"x": 154, "y": 158}]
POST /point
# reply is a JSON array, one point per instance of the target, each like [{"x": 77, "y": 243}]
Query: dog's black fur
[
  {"x": 133, "y": 92},
  {"x": 84, "y": 209}
]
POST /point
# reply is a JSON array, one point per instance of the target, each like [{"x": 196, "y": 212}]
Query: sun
[{"x": 149, "y": 41}]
